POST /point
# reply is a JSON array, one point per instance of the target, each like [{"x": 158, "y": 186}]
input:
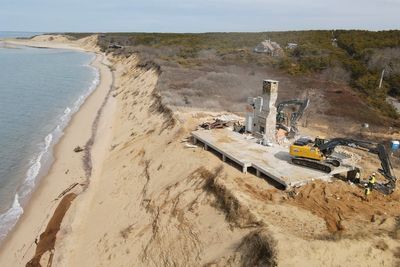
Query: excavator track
[{"x": 316, "y": 165}]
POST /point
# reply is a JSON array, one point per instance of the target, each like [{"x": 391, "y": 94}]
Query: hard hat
[{"x": 373, "y": 173}]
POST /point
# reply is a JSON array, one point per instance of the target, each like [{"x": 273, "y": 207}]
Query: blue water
[
  {"x": 39, "y": 91},
  {"x": 9, "y": 34}
]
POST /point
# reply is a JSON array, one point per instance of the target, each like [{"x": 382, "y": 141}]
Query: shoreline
[
  {"x": 48, "y": 191},
  {"x": 45, "y": 156}
]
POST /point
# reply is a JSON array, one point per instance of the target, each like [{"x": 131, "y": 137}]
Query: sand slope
[{"x": 147, "y": 205}]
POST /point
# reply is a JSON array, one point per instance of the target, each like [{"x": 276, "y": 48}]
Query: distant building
[
  {"x": 334, "y": 42},
  {"x": 333, "y": 39},
  {"x": 268, "y": 47},
  {"x": 291, "y": 46},
  {"x": 114, "y": 46}
]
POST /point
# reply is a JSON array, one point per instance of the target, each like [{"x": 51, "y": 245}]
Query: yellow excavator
[{"x": 317, "y": 155}]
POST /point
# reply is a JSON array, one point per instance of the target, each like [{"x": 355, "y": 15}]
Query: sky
[{"x": 196, "y": 16}]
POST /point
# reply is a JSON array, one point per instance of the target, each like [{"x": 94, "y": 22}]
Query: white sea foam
[
  {"x": 47, "y": 141},
  {"x": 9, "y": 218},
  {"x": 43, "y": 158},
  {"x": 64, "y": 117}
]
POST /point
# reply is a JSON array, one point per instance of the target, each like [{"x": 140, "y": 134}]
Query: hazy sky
[{"x": 197, "y": 16}]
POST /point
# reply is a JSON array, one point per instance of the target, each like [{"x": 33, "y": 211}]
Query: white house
[{"x": 271, "y": 48}]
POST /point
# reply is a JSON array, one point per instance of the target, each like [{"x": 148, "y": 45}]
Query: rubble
[
  {"x": 217, "y": 124},
  {"x": 223, "y": 121}
]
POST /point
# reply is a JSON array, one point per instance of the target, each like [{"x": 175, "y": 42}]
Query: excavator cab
[
  {"x": 319, "y": 141},
  {"x": 280, "y": 118},
  {"x": 305, "y": 148}
]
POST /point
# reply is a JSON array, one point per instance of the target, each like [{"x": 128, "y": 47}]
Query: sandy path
[{"x": 66, "y": 170}]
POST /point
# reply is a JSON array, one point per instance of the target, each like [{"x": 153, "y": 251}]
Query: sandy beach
[
  {"x": 67, "y": 171},
  {"x": 141, "y": 194}
]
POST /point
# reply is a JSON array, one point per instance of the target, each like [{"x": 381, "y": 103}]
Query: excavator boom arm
[
  {"x": 379, "y": 149},
  {"x": 296, "y": 116}
]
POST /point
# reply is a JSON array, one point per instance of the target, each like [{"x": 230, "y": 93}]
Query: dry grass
[
  {"x": 381, "y": 244},
  {"x": 159, "y": 107},
  {"x": 395, "y": 233},
  {"x": 258, "y": 248},
  {"x": 237, "y": 214},
  {"x": 396, "y": 254},
  {"x": 125, "y": 232}
]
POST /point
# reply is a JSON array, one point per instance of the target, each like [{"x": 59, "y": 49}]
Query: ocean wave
[
  {"x": 9, "y": 218},
  {"x": 67, "y": 111},
  {"x": 43, "y": 158}
]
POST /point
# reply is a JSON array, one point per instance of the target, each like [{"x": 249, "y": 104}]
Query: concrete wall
[
  {"x": 262, "y": 112},
  {"x": 270, "y": 95}
]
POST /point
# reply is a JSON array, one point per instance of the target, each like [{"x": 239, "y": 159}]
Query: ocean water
[
  {"x": 39, "y": 91},
  {"x": 10, "y": 34}
]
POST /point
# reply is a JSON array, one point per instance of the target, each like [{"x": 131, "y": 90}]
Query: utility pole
[{"x": 380, "y": 82}]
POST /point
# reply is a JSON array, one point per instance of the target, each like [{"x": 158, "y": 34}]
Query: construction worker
[
  {"x": 367, "y": 191},
  {"x": 372, "y": 180},
  {"x": 371, "y": 183}
]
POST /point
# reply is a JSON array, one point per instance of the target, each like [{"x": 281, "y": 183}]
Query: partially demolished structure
[
  {"x": 261, "y": 118},
  {"x": 273, "y": 159}
]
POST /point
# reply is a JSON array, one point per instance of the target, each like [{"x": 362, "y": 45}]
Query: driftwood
[{"x": 78, "y": 149}]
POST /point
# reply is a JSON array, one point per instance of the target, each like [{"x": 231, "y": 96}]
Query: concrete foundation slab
[{"x": 274, "y": 162}]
